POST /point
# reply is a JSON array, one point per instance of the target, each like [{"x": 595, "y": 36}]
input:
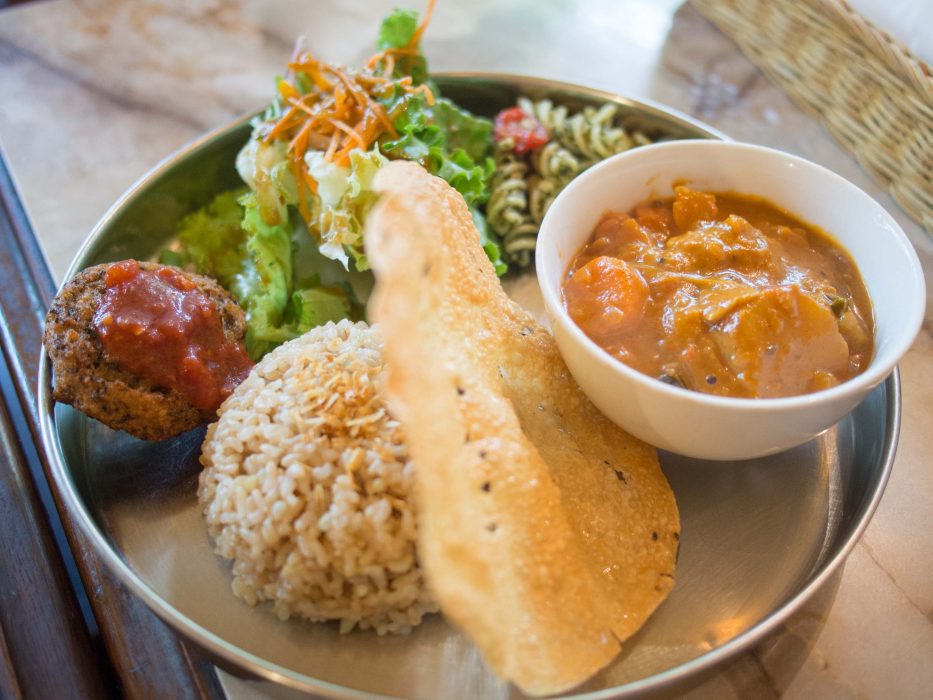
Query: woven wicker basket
[{"x": 870, "y": 92}]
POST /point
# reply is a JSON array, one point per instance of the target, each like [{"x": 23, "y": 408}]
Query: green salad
[{"x": 289, "y": 244}]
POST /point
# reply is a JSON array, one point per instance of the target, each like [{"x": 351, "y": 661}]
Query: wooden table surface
[{"x": 94, "y": 93}]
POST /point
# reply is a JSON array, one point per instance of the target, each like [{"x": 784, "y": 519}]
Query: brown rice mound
[{"x": 307, "y": 487}]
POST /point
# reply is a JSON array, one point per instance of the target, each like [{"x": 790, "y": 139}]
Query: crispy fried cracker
[{"x": 547, "y": 533}]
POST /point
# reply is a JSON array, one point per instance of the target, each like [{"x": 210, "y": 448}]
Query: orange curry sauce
[
  {"x": 722, "y": 293},
  {"x": 160, "y": 326}
]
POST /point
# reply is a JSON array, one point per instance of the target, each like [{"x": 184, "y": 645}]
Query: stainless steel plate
[{"x": 759, "y": 537}]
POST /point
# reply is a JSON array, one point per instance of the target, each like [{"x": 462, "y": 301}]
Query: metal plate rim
[{"x": 271, "y": 671}]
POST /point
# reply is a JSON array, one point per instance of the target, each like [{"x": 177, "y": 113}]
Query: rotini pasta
[
  {"x": 524, "y": 186},
  {"x": 507, "y": 211},
  {"x": 590, "y": 135},
  {"x": 541, "y": 192},
  {"x": 554, "y": 162}
]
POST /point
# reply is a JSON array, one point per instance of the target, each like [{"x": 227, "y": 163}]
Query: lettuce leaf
[
  {"x": 489, "y": 241},
  {"x": 307, "y": 309},
  {"x": 448, "y": 142},
  {"x": 212, "y": 239},
  {"x": 263, "y": 289},
  {"x": 265, "y": 168},
  {"x": 345, "y": 205},
  {"x": 462, "y": 129},
  {"x": 336, "y": 211},
  {"x": 455, "y": 145},
  {"x": 230, "y": 241},
  {"x": 317, "y": 305},
  {"x": 396, "y": 32}
]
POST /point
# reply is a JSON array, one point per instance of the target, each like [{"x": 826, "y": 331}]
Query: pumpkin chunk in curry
[{"x": 724, "y": 294}]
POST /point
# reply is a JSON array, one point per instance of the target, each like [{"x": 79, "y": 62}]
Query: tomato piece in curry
[{"x": 724, "y": 294}]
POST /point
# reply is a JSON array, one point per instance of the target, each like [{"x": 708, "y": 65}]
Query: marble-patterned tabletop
[{"x": 94, "y": 93}]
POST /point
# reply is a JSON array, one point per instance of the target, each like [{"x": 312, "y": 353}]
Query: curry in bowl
[{"x": 722, "y": 293}]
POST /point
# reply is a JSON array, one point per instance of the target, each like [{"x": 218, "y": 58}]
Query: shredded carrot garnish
[
  {"x": 302, "y": 197},
  {"x": 416, "y": 37},
  {"x": 353, "y": 133},
  {"x": 287, "y": 91},
  {"x": 426, "y": 91},
  {"x": 381, "y": 115},
  {"x": 389, "y": 65},
  {"x": 332, "y": 147},
  {"x": 342, "y": 110}
]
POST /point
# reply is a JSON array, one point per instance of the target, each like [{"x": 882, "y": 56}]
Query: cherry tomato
[{"x": 523, "y": 129}]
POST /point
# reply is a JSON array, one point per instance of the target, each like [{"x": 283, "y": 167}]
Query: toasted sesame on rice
[{"x": 307, "y": 487}]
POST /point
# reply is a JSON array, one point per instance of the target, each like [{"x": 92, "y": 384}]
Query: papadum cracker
[{"x": 547, "y": 533}]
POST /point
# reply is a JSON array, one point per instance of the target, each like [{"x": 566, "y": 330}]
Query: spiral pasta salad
[{"x": 539, "y": 148}]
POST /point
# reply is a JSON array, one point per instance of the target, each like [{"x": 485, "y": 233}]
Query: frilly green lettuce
[
  {"x": 396, "y": 32},
  {"x": 453, "y": 144},
  {"x": 336, "y": 212},
  {"x": 264, "y": 291},
  {"x": 230, "y": 240},
  {"x": 265, "y": 168},
  {"x": 345, "y": 196},
  {"x": 447, "y": 141},
  {"x": 212, "y": 239},
  {"x": 489, "y": 242}
]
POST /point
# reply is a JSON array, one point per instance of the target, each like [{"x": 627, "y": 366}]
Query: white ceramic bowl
[{"x": 715, "y": 427}]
